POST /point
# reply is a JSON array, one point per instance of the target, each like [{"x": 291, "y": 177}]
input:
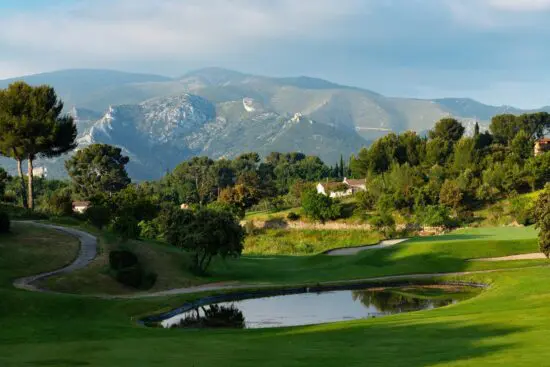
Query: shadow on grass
[{"x": 392, "y": 344}]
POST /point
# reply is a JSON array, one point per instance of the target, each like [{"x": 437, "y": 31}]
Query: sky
[{"x": 495, "y": 51}]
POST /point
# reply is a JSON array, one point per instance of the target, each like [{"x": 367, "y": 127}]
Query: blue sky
[{"x": 495, "y": 51}]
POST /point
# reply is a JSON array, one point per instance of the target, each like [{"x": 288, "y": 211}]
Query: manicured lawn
[{"x": 507, "y": 325}]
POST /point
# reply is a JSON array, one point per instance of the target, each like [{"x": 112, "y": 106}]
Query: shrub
[
  {"x": 496, "y": 213},
  {"x": 293, "y": 216},
  {"x": 4, "y": 222},
  {"x": 522, "y": 210},
  {"x": 60, "y": 203},
  {"x": 227, "y": 207},
  {"x": 434, "y": 216},
  {"x": 128, "y": 271},
  {"x": 384, "y": 223},
  {"x": 320, "y": 207},
  {"x": 122, "y": 259},
  {"x": 125, "y": 226},
  {"x": 365, "y": 200},
  {"x": 98, "y": 216},
  {"x": 149, "y": 229}
]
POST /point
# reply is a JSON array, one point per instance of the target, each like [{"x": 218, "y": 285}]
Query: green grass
[
  {"x": 506, "y": 325},
  {"x": 306, "y": 242},
  {"x": 170, "y": 264}
]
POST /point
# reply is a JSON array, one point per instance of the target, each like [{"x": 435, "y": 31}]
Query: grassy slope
[
  {"x": 506, "y": 325},
  {"x": 306, "y": 242}
]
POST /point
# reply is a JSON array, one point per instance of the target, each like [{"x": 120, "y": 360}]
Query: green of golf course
[{"x": 508, "y": 324}]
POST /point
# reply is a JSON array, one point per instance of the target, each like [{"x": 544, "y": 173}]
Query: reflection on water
[
  {"x": 393, "y": 302},
  {"x": 212, "y": 316},
  {"x": 313, "y": 308}
]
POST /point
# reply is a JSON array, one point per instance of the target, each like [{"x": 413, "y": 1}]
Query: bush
[
  {"x": 384, "y": 223},
  {"x": 293, "y": 216},
  {"x": 122, "y": 259},
  {"x": 4, "y": 222},
  {"x": 149, "y": 229},
  {"x": 125, "y": 226},
  {"x": 365, "y": 200},
  {"x": 320, "y": 207},
  {"x": 98, "y": 216},
  {"x": 60, "y": 203},
  {"x": 227, "y": 207},
  {"x": 434, "y": 216},
  {"x": 522, "y": 210},
  {"x": 128, "y": 271}
]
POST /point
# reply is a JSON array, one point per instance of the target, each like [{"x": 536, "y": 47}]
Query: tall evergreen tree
[
  {"x": 342, "y": 167},
  {"x": 32, "y": 126}
]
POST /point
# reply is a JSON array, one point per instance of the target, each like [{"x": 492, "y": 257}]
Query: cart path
[{"x": 86, "y": 254}]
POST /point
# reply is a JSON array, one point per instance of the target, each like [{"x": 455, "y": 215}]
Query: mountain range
[{"x": 161, "y": 121}]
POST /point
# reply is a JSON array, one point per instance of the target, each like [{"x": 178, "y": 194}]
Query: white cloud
[
  {"x": 520, "y": 5},
  {"x": 111, "y": 30}
]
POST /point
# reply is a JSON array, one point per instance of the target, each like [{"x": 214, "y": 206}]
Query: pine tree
[{"x": 342, "y": 167}]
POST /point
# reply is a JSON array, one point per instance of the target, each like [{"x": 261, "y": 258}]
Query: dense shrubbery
[
  {"x": 320, "y": 207},
  {"x": 293, "y": 216},
  {"x": 4, "y": 222},
  {"x": 127, "y": 270},
  {"x": 60, "y": 203},
  {"x": 434, "y": 216},
  {"x": 98, "y": 216}
]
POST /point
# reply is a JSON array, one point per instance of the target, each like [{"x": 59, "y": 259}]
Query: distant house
[
  {"x": 345, "y": 188},
  {"x": 81, "y": 206},
  {"x": 41, "y": 172},
  {"x": 542, "y": 146}
]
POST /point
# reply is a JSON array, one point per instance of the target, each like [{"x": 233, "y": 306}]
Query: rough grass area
[
  {"x": 170, "y": 264},
  {"x": 506, "y": 325},
  {"x": 305, "y": 242},
  {"x": 30, "y": 250}
]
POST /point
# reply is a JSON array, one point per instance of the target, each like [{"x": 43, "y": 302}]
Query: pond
[{"x": 315, "y": 308}]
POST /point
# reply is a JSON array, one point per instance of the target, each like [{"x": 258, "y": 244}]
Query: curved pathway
[
  {"x": 87, "y": 252},
  {"x": 348, "y": 251}
]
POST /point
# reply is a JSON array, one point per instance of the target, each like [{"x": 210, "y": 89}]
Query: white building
[{"x": 345, "y": 188}]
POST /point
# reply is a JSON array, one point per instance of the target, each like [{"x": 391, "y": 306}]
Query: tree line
[{"x": 431, "y": 179}]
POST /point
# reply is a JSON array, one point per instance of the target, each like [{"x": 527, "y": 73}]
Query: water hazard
[{"x": 316, "y": 308}]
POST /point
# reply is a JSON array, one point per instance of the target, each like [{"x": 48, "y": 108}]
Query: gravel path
[
  {"x": 348, "y": 251},
  {"x": 533, "y": 256},
  {"x": 88, "y": 252}
]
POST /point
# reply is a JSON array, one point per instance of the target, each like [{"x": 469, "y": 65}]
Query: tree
[
  {"x": 320, "y": 207},
  {"x": 448, "y": 129},
  {"x": 450, "y": 194},
  {"x": 242, "y": 196},
  {"x": 97, "y": 170},
  {"x": 438, "y": 151},
  {"x": 4, "y": 178},
  {"x": 503, "y": 127},
  {"x": 205, "y": 234},
  {"x": 196, "y": 180},
  {"x": 465, "y": 154},
  {"x": 342, "y": 167},
  {"x": 33, "y": 126},
  {"x": 542, "y": 217},
  {"x": 522, "y": 145}
]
